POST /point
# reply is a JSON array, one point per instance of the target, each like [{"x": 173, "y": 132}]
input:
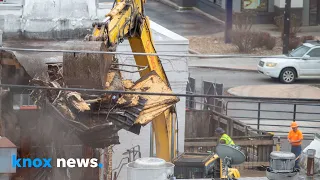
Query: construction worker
[
  {"x": 295, "y": 138},
  {"x": 224, "y": 138}
]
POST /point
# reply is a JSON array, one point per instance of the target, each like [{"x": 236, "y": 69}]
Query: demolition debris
[{"x": 97, "y": 117}]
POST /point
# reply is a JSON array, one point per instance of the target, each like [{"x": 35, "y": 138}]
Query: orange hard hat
[{"x": 294, "y": 124}]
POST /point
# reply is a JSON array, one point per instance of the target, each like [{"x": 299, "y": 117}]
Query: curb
[
  {"x": 230, "y": 93},
  {"x": 239, "y": 92},
  {"x": 174, "y": 5},
  {"x": 191, "y": 51},
  {"x": 225, "y": 68},
  {"x": 209, "y": 16}
]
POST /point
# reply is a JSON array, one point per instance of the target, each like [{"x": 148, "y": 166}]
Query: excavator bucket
[{"x": 86, "y": 70}]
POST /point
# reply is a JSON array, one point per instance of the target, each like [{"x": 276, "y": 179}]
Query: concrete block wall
[
  {"x": 10, "y": 15},
  {"x": 41, "y": 17},
  {"x": 46, "y": 19}
]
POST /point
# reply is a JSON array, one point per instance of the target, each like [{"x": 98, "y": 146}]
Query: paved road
[
  {"x": 249, "y": 64},
  {"x": 236, "y": 78},
  {"x": 185, "y": 23},
  {"x": 227, "y": 78}
]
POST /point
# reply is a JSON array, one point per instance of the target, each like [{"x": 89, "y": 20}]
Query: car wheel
[{"x": 288, "y": 75}]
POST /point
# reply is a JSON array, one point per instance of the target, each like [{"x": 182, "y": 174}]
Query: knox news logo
[{"x": 60, "y": 162}]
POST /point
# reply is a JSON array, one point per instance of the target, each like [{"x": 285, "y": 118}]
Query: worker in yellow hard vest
[{"x": 224, "y": 138}]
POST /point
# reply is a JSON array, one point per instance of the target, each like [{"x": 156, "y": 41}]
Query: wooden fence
[{"x": 199, "y": 132}]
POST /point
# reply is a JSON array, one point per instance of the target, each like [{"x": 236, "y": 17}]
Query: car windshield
[{"x": 300, "y": 51}]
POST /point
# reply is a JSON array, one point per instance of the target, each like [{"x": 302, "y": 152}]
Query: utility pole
[
  {"x": 286, "y": 28},
  {"x": 228, "y": 24},
  {"x": 318, "y": 12}
]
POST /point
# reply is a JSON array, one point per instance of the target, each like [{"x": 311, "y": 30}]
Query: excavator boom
[{"x": 127, "y": 20}]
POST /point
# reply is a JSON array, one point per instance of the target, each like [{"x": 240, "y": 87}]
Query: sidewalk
[
  {"x": 240, "y": 64},
  {"x": 277, "y": 91},
  {"x": 273, "y": 30}
]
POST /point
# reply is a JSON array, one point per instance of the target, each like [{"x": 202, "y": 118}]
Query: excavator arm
[{"x": 127, "y": 20}]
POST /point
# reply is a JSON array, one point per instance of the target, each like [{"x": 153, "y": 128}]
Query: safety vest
[{"x": 227, "y": 139}]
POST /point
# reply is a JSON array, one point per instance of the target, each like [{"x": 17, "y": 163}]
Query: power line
[
  {"x": 142, "y": 54},
  {"x": 300, "y": 100}
]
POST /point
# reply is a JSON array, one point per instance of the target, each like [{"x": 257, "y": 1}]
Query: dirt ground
[{"x": 215, "y": 45}]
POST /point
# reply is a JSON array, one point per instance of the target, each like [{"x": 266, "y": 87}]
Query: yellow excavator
[{"x": 127, "y": 20}]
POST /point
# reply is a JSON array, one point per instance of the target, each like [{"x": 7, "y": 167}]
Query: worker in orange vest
[{"x": 295, "y": 138}]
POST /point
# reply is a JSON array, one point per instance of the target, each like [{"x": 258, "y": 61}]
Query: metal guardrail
[
  {"x": 253, "y": 113},
  {"x": 254, "y": 108},
  {"x": 256, "y": 144}
]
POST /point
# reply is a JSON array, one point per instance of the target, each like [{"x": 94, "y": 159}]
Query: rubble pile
[{"x": 97, "y": 117}]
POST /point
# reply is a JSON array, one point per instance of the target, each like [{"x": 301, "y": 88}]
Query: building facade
[{"x": 307, "y": 10}]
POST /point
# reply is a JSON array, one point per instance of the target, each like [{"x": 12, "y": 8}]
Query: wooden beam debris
[{"x": 98, "y": 117}]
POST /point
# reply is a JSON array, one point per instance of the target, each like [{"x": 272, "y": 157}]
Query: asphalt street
[
  {"x": 185, "y": 23},
  {"x": 231, "y": 79}
]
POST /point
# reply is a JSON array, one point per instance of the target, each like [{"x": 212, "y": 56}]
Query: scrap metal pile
[{"x": 97, "y": 117}]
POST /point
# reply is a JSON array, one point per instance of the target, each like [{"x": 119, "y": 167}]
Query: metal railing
[
  {"x": 131, "y": 155},
  {"x": 275, "y": 114},
  {"x": 256, "y": 144}
]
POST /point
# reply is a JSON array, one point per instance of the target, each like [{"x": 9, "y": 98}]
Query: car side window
[{"x": 314, "y": 53}]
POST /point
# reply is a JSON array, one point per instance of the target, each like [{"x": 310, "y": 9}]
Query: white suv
[{"x": 306, "y": 64}]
